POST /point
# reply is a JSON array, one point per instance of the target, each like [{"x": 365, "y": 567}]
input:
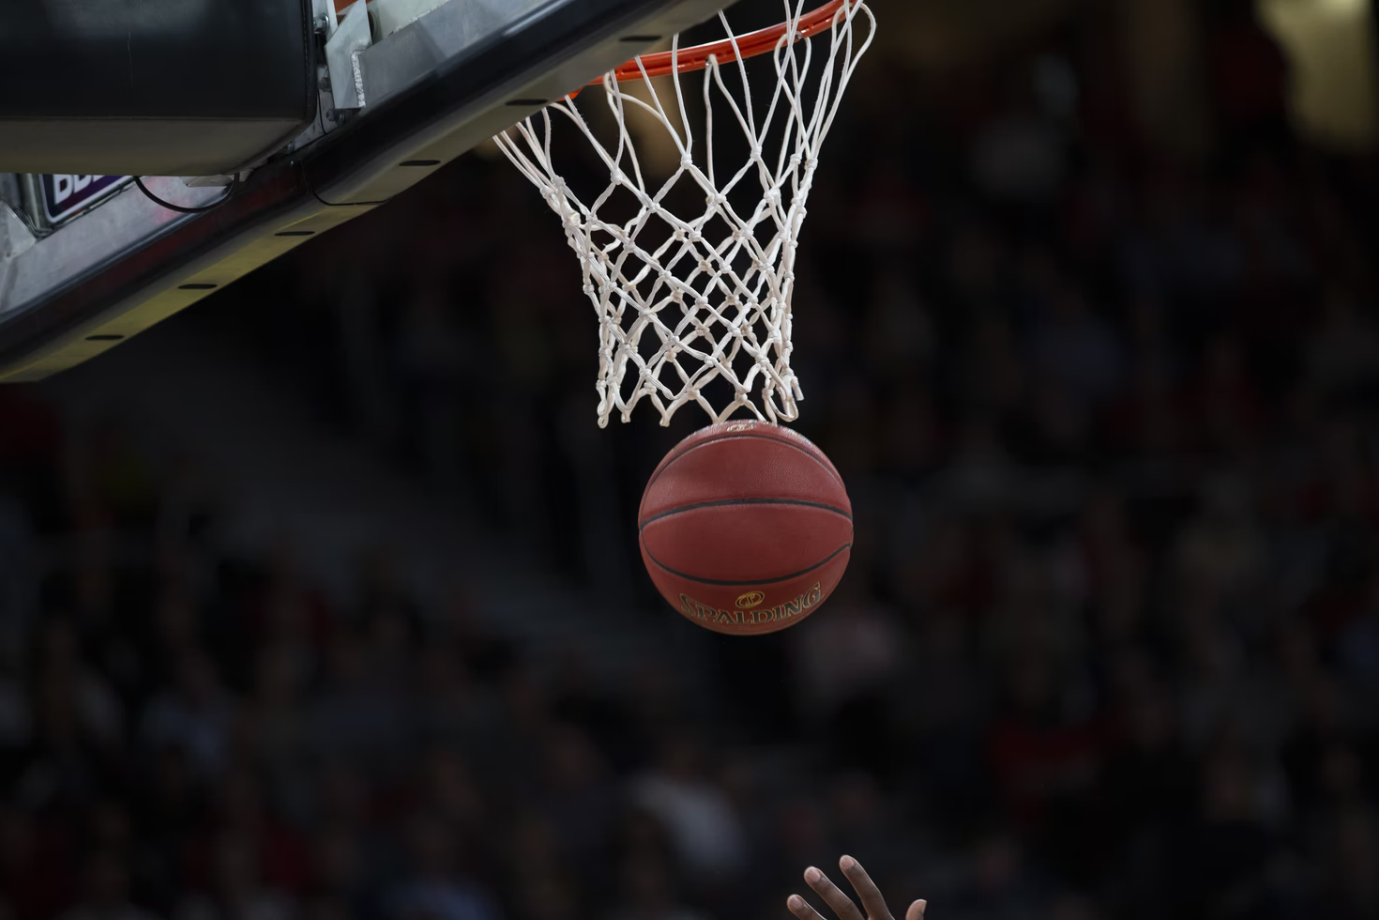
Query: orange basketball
[{"x": 745, "y": 528}]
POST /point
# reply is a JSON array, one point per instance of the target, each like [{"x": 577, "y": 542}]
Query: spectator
[
  {"x": 435, "y": 889},
  {"x": 679, "y": 792},
  {"x": 1344, "y": 350},
  {"x": 647, "y": 892},
  {"x": 107, "y": 894},
  {"x": 1000, "y": 885},
  {"x": 195, "y": 716},
  {"x": 236, "y": 890},
  {"x": 1074, "y": 347},
  {"x": 1249, "y": 76}
]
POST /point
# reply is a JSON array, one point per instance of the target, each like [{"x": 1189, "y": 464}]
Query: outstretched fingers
[
  {"x": 842, "y": 905},
  {"x": 801, "y": 909},
  {"x": 833, "y": 896},
  {"x": 866, "y": 889}
]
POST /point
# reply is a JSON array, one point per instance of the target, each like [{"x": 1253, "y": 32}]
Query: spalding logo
[
  {"x": 799, "y": 606},
  {"x": 751, "y": 599},
  {"x": 742, "y": 426}
]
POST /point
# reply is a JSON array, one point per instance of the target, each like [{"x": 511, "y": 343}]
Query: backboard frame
[{"x": 433, "y": 90}]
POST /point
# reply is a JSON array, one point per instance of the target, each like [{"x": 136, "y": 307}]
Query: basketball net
[{"x": 686, "y": 300}]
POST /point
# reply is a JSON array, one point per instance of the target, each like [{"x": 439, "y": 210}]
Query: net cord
[{"x": 725, "y": 317}]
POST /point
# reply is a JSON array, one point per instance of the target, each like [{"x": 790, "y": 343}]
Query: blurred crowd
[{"x": 1108, "y": 646}]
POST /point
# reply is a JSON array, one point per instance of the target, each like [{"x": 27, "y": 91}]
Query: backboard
[{"x": 405, "y": 86}]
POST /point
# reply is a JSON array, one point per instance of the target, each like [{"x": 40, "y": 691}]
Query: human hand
[{"x": 843, "y": 906}]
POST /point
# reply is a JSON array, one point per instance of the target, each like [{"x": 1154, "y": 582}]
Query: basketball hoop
[{"x": 715, "y": 288}]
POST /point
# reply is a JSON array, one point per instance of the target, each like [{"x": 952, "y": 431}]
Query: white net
[{"x": 696, "y": 307}]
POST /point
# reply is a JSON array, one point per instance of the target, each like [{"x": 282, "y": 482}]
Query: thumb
[{"x": 916, "y": 911}]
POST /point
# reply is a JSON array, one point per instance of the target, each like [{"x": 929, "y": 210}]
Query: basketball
[{"x": 745, "y": 528}]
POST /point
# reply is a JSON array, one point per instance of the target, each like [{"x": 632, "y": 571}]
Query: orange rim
[{"x": 745, "y": 46}]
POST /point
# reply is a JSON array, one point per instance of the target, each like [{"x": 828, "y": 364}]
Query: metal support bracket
[
  {"x": 342, "y": 56},
  {"x": 323, "y": 17}
]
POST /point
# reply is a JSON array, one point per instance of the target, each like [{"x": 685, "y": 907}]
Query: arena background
[{"x": 322, "y": 600}]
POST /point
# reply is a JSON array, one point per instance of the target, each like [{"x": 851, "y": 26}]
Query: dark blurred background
[{"x": 322, "y": 600}]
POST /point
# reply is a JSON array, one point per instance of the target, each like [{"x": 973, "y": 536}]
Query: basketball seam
[
  {"x": 727, "y": 436},
  {"x": 670, "y": 461},
  {"x": 745, "y": 584},
  {"x": 745, "y": 501}
]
